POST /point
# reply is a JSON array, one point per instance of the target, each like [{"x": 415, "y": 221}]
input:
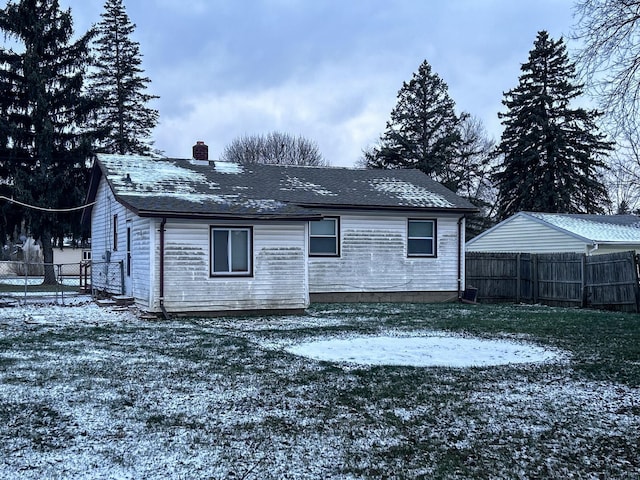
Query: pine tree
[
  {"x": 119, "y": 84},
  {"x": 424, "y": 130},
  {"x": 552, "y": 153},
  {"x": 43, "y": 145}
]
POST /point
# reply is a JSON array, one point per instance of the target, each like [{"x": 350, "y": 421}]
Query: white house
[
  {"x": 203, "y": 237},
  {"x": 530, "y": 232}
]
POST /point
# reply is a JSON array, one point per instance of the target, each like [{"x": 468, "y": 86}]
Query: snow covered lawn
[{"x": 347, "y": 391}]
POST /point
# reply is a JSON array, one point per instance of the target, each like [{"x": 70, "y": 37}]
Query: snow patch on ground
[
  {"x": 430, "y": 351},
  {"x": 78, "y": 310}
]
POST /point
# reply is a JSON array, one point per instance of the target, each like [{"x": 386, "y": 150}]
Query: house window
[
  {"x": 231, "y": 251},
  {"x": 421, "y": 238},
  {"x": 115, "y": 233},
  {"x": 323, "y": 237}
]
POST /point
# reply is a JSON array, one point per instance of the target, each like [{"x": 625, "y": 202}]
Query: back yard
[{"x": 95, "y": 394}]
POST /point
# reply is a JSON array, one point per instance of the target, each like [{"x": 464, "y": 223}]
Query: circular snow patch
[{"x": 440, "y": 351}]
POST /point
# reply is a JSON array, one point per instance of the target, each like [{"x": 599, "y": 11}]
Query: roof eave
[
  {"x": 388, "y": 207},
  {"x": 223, "y": 216},
  {"x": 616, "y": 242},
  {"x": 92, "y": 191}
]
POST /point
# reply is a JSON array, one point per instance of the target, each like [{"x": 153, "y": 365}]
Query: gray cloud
[{"x": 329, "y": 70}]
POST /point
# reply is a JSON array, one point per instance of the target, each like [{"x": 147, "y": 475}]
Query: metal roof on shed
[{"x": 557, "y": 231}]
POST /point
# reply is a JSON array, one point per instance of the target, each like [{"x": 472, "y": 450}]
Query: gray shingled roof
[{"x": 175, "y": 187}]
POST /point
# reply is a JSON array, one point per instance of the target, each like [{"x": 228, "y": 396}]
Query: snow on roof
[
  {"x": 151, "y": 180},
  {"x": 408, "y": 193},
  {"x": 228, "y": 167},
  {"x": 139, "y": 176},
  {"x": 290, "y": 183},
  {"x": 160, "y": 185},
  {"x": 599, "y": 228}
]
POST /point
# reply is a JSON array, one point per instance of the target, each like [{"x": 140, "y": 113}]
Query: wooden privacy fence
[{"x": 608, "y": 281}]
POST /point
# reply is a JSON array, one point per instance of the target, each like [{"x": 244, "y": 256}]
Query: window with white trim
[
  {"x": 323, "y": 237},
  {"x": 421, "y": 238},
  {"x": 231, "y": 251}
]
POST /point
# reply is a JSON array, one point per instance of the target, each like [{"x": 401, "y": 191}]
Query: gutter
[
  {"x": 343, "y": 206},
  {"x": 162, "y": 230}
]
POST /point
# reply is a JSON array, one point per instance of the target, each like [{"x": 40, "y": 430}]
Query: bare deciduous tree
[
  {"x": 610, "y": 56},
  {"x": 275, "y": 149},
  {"x": 470, "y": 169},
  {"x": 623, "y": 177}
]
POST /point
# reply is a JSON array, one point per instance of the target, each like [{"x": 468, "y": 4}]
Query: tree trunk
[{"x": 47, "y": 253}]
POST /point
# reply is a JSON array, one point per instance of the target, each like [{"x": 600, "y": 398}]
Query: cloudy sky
[{"x": 325, "y": 69}]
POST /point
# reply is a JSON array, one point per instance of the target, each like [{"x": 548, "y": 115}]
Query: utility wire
[{"x": 44, "y": 209}]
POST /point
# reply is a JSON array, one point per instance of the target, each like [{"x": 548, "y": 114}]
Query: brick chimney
[{"x": 200, "y": 151}]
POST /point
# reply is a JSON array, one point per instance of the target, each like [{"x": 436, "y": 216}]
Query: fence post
[
  {"x": 60, "y": 284},
  {"x": 518, "y": 275},
  {"x": 121, "y": 262},
  {"x": 534, "y": 277},
  {"x": 26, "y": 280},
  {"x": 583, "y": 274},
  {"x": 635, "y": 260},
  {"x": 92, "y": 279}
]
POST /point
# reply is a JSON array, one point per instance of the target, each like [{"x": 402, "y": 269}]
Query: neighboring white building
[
  {"x": 70, "y": 255},
  {"x": 199, "y": 237},
  {"x": 532, "y": 232}
]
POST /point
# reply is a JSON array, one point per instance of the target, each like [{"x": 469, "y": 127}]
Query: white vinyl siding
[
  {"x": 374, "y": 257},
  {"x": 521, "y": 234},
  {"x": 279, "y": 278},
  {"x": 106, "y": 215},
  {"x": 141, "y": 274},
  {"x": 103, "y": 248}
]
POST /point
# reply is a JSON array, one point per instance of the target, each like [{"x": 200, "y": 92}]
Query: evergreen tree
[
  {"x": 43, "y": 145},
  {"x": 423, "y": 132},
  {"x": 119, "y": 84},
  {"x": 551, "y": 153}
]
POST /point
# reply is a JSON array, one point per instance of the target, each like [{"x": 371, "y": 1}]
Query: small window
[
  {"x": 231, "y": 251},
  {"x": 115, "y": 233},
  {"x": 421, "y": 238},
  {"x": 323, "y": 237}
]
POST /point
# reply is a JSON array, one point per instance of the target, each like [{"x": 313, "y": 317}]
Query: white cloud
[
  {"x": 341, "y": 111},
  {"x": 327, "y": 70}
]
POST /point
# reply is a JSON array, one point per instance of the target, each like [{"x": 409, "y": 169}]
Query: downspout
[
  {"x": 460, "y": 257},
  {"x": 162, "y": 230}
]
